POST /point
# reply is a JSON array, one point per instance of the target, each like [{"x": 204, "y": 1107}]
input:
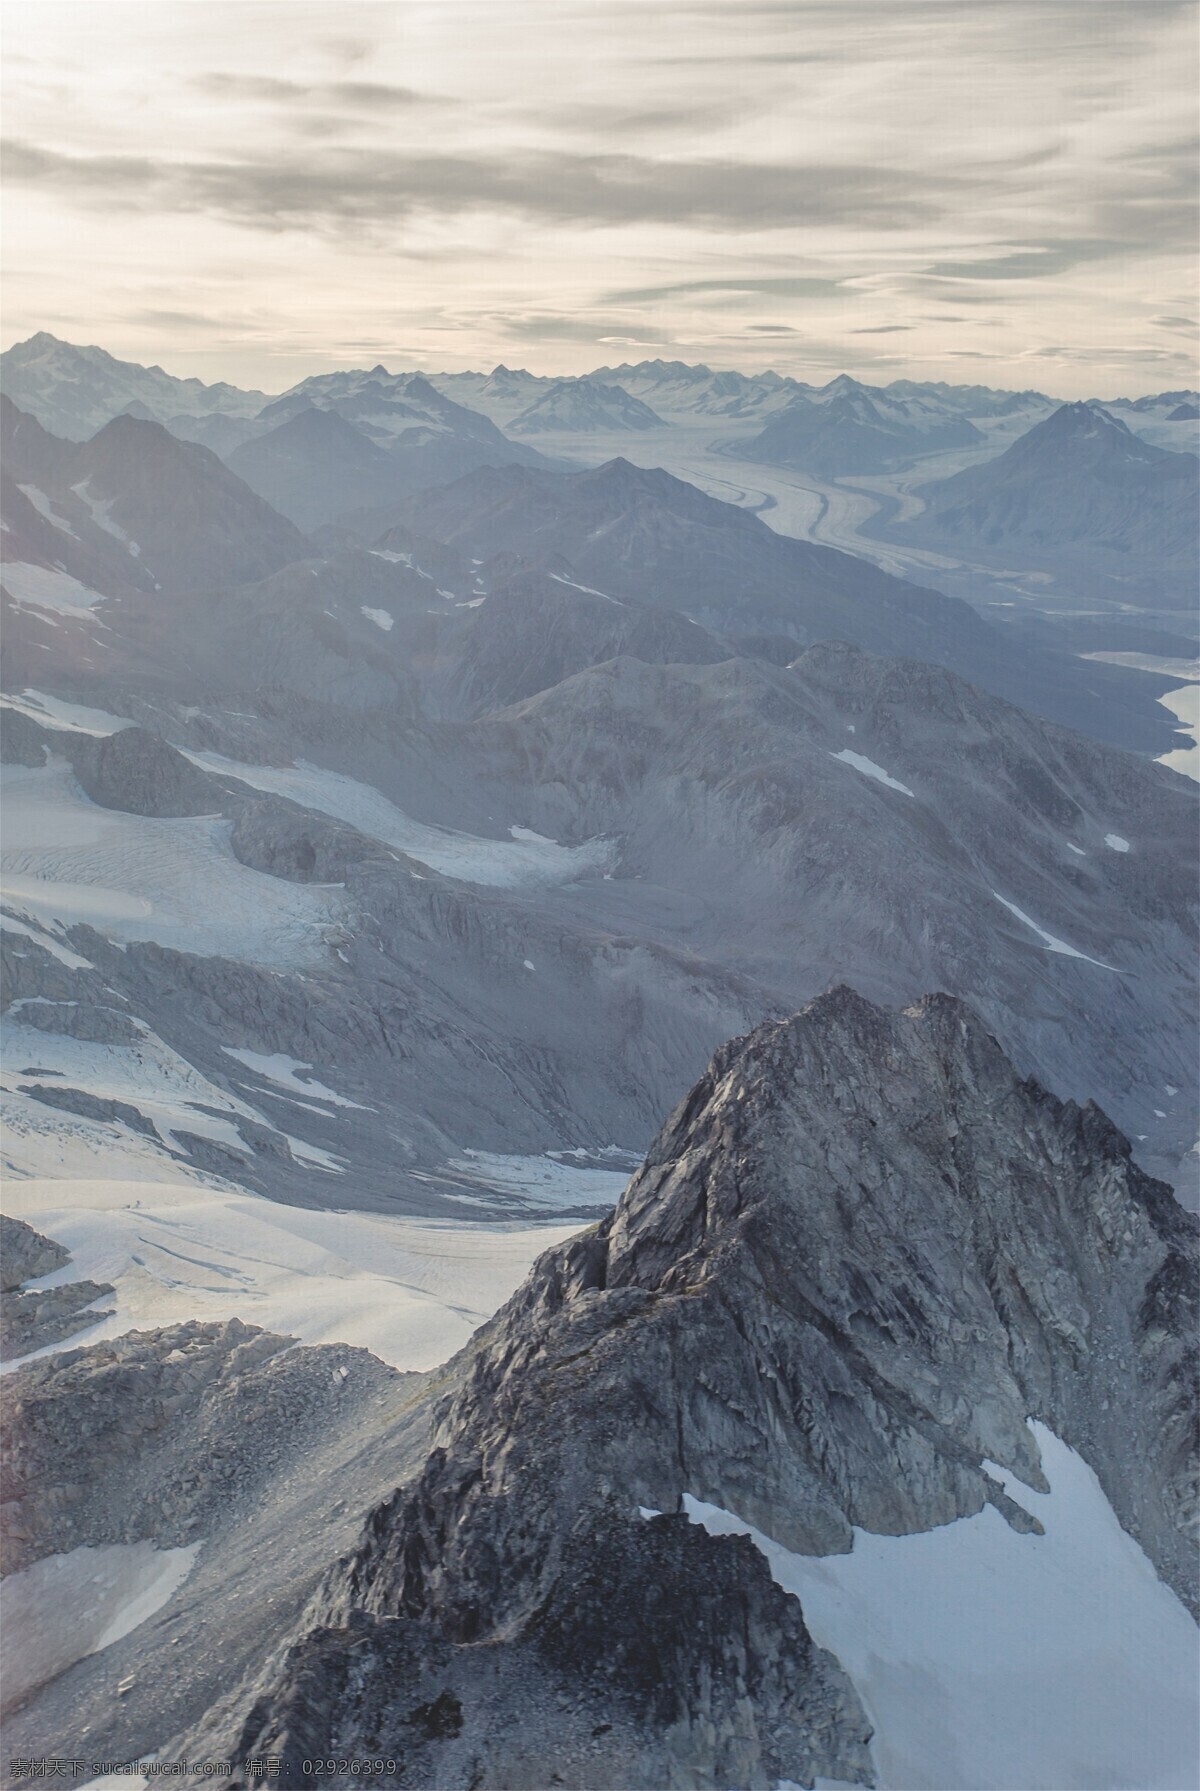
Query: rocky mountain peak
[
  {"x": 862, "y": 1254},
  {"x": 141, "y": 436},
  {"x": 907, "y": 1087},
  {"x": 844, "y": 1202},
  {"x": 1084, "y": 419},
  {"x": 417, "y": 386}
]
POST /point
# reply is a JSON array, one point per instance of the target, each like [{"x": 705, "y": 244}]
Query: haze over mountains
[
  {"x": 412, "y": 785},
  {"x": 1081, "y": 478},
  {"x": 660, "y": 694},
  {"x": 846, "y": 429},
  {"x": 79, "y": 389}
]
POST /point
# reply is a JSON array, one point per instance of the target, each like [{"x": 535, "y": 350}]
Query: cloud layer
[{"x": 889, "y": 188}]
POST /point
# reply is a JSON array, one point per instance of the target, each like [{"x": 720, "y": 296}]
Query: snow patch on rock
[
  {"x": 869, "y": 768},
  {"x": 1051, "y": 942},
  {"x": 47, "y": 587},
  {"x": 101, "y": 509},
  {"x": 68, "y": 1606},
  {"x": 526, "y": 859},
  {"x": 44, "y": 507},
  {"x": 285, "y": 1072},
  {"x": 70, "y": 718}
]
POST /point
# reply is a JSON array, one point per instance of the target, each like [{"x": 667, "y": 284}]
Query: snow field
[
  {"x": 525, "y": 859},
  {"x": 991, "y": 1660},
  {"x": 66, "y": 860},
  {"x": 542, "y": 1179},
  {"x": 177, "y": 1243},
  {"x": 72, "y": 718},
  {"x": 191, "y": 1247},
  {"x": 164, "y": 1088},
  {"x": 47, "y": 587}
]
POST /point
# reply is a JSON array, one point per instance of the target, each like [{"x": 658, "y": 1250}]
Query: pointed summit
[
  {"x": 583, "y": 406},
  {"x": 1080, "y": 475},
  {"x": 1081, "y": 420},
  {"x": 196, "y": 523},
  {"x": 74, "y": 390}
]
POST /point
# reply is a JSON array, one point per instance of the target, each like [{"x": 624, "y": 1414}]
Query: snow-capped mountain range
[
  {"x": 594, "y": 1080},
  {"x": 74, "y": 390}
]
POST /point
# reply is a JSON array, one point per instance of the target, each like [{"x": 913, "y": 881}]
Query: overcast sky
[{"x": 988, "y": 190}]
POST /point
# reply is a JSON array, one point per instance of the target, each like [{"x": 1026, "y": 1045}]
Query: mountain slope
[
  {"x": 860, "y": 1257},
  {"x": 536, "y": 628},
  {"x": 1080, "y": 478},
  {"x": 849, "y": 428},
  {"x": 57, "y": 554},
  {"x": 578, "y": 895},
  {"x": 314, "y": 466},
  {"x": 143, "y": 508},
  {"x": 861, "y": 817},
  {"x": 74, "y": 391},
  {"x": 195, "y": 522},
  {"x": 582, "y": 405},
  {"x": 642, "y": 535},
  {"x": 427, "y": 437}
]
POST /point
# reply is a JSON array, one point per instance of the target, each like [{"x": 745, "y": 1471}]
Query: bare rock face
[
  {"x": 36, "y": 1320},
  {"x": 140, "y": 773},
  {"x": 126, "y": 1442},
  {"x": 38, "y": 1317},
  {"x": 860, "y": 1255},
  {"x": 22, "y": 741},
  {"x": 662, "y": 1657},
  {"x": 25, "y": 1254},
  {"x": 221, "y": 1437}
]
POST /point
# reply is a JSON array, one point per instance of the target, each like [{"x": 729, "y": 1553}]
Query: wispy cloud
[
  {"x": 274, "y": 90},
  {"x": 796, "y": 179},
  {"x": 783, "y": 286},
  {"x": 344, "y": 187}
]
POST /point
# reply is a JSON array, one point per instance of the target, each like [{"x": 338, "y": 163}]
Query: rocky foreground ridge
[{"x": 861, "y": 1254}]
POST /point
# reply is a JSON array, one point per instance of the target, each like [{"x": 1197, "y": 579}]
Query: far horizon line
[{"x": 655, "y": 360}]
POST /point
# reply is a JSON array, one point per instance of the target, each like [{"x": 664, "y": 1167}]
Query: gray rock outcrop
[
  {"x": 860, "y": 1256},
  {"x": 136, "y": 771},
  {"x": 36, "y": 1318},
  {"x": 25, "y": 1254}
]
